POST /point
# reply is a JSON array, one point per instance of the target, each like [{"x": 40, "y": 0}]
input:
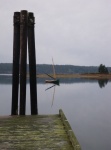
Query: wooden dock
[{"x": 37, "y": 132}]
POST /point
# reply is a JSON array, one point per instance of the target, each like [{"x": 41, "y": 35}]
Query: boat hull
[{"x": 52, "y": 81}]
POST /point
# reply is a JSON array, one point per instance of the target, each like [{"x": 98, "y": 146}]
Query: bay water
[{"x": 86, "y": 104}]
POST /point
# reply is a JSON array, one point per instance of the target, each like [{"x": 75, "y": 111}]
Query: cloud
[{"x": 73, "y": 32}]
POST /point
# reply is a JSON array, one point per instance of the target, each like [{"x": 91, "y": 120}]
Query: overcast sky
[{"x": 76, "y": 32}]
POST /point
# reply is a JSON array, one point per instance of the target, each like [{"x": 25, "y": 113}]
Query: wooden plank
[{"x": 39, "y": 132}]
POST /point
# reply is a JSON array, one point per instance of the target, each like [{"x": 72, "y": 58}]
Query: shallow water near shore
[{"x": 86, "y": 106}]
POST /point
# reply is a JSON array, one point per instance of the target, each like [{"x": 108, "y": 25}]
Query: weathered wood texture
[
  {"x": 70, "y": 132},
  {"x": 40, "y": 132}
]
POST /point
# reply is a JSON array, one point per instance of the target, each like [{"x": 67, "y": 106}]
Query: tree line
[{"x": 6, "y": 68}]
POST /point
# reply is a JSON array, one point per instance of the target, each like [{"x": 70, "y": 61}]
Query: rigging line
[{"x": 50, "y": 76}]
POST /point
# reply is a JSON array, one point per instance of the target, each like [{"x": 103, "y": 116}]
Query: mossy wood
[{"x": 38, "y": 132}]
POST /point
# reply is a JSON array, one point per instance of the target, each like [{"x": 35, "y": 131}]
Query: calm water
[{"x": 85, "y": 104}]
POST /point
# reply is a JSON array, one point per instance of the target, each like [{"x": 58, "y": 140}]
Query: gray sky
[{"x": 76, "y": 32}]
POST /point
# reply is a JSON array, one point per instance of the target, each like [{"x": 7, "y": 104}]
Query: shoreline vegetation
[
  {"x": 62, "y": 71},
  {"x": 85, "y": 75}
]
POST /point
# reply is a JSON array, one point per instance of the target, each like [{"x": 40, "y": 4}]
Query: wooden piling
[
  {"x": 16, "y": 55},
  {"x": 23, "y": 59},
  {"x": 23, "y": 28},
  {"x": 32, "y": 63}
]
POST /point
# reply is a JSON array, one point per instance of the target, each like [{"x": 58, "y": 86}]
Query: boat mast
[{"x": 53, "y": 69}]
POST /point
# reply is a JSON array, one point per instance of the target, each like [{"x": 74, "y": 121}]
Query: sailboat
[{"x": 54, "y": 79}]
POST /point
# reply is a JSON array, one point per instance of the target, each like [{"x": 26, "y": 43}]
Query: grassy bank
[{"x": 88, "y": 76}]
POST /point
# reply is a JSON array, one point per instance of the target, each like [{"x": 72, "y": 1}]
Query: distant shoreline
[{"x": 85, "y": 75}]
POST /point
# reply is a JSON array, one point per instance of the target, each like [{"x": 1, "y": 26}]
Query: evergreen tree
[{"x": 103, "y": 69}]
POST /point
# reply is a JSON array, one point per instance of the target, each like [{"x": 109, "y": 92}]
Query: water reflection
[
  {"x": 53, "y": 86},
  {"x": 50, "y": 87},
  {"x": 7, "y": 79},
  {"x": 102, "y": 82},
  {"x": 86, "y": 106}
]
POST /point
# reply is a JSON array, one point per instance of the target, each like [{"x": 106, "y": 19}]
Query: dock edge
[{"x": 70, "y": 132}]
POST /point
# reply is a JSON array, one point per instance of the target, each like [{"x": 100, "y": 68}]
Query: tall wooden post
[
  {"x": 23, "y": 59},
  {"x": 23, "y": 28},
  {"x": 16, "y": 55},
  {"x": 32, "y": 63}
]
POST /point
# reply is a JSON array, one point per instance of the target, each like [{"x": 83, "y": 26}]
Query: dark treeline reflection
[
  {"x": 7, "y": 79},
  {"x": 102, "y": 82}
]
